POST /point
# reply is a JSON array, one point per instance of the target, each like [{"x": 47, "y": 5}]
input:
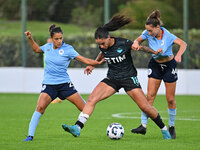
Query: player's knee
[
  {"x": 171, "y": 101},
  {"x": 92, "y": 100},
  {"x": 151, "y": 97},
  {"x": 40, "y": 109}
]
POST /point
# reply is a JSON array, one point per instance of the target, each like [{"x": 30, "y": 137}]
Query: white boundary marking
[{"x": 131, "y": 116}]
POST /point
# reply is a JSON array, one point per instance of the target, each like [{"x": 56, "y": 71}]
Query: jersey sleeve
[
  {"x": 44, "y": 47},
  {"x": 72, "y": 52},
  {"x": 144, "y": 35},
  {"x": 129, "y": 43},
  {"x": 169, "y": 41},
  {"x": 172, "y": 38}
]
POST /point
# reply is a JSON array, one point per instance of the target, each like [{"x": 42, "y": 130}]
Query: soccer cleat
[
  {"x": 139, "y": 130},
  {"x": 28, "y": 138},
  {"x": 74, "y": 130},
  {"x": 172, "y": 132},
  {"x": 166, "y": 134}
]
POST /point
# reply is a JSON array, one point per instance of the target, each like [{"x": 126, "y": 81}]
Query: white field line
[{"x": 132, "y": 116}]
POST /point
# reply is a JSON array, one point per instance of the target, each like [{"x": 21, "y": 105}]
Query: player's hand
[
  {"x": 159, "y": 51},
  {"x": 178, "y": 58},
  {"x": 135, "y": 46},
  {"x": 88, "y": 70},
  {"x": 102, "y": 61},
  {"x": 28, "y": 34}
]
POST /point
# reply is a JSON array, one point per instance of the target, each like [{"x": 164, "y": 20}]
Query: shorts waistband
[{"x": 168, "y": 62}]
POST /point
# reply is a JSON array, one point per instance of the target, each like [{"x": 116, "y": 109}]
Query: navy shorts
[
  {"x": 163, "y": 71},
  {"x": 62, "y": 91},
  {"x": 128, "y": 84}
]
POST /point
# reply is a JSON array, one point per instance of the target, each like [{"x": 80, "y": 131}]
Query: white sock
[
  {"x": 82, "y": 118},
  {"x": 164, "y": 128},
  {"x": 144, "y": 125}
]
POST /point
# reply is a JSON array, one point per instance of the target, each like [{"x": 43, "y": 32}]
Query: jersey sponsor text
[{"x": 115, "y": 59}]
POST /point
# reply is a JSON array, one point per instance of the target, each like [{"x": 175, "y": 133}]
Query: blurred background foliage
[
  {"x": 90, "y": 12},
  {"x": 84, "y": 44},
  {"x": 80, "y": 18},
  {"x": 139, "y": 11}
]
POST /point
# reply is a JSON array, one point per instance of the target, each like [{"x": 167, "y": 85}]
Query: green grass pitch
[{"x": 16, "y": 111}]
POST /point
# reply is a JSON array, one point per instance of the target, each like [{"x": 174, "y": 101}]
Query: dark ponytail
[
  {"x": 53, "y": 29},
  {"x": 115, "y": 23},
  {"x": 154, "y": 19}
]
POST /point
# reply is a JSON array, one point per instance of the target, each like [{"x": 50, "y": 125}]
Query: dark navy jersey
[{"x": 119, "y": 60}]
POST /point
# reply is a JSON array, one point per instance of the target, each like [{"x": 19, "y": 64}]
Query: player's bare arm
[
  {"x": 181, "y": 50},
  {"x": 87, "y": 60},
  {"x": 149, "y": 50},
  {"x": 32, "y": 43},
  {"x": 136, "y": 43},
  {"x": 100, "y": 58}
]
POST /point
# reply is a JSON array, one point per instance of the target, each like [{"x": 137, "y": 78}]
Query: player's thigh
[
  {"x": 139, "y": 97},
  {"x": 77, "y": 100},
  {"x": 153, "y": 86},
  {"x": 43, "y": 101},
  {"x": 170, "y": 90},
  {"x": 101, "y": 91}
]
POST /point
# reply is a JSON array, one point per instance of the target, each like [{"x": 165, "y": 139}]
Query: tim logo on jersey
[{"x": 115, "y": 59}]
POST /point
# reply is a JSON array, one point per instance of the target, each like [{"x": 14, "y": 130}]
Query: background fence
[{"x": 20, "y": 80}]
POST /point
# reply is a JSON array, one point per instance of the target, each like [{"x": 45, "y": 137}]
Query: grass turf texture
[{"x": 16, "y": 111}]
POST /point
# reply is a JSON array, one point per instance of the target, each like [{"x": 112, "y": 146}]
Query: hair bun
[
  {"x": 52, "y": 27},
  {"x": 155, "y": 14}
]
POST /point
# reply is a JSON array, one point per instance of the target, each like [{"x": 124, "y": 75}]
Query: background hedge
[{"x": 84, "y": 44}]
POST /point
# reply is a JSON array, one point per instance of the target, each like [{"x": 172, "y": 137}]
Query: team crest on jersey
[
  {"x": 61, "y": 51},
  {"x": 162, "y": 42},
  {"x": 119, "y": 50}
]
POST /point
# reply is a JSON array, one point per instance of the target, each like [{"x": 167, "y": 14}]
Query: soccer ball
[{"x": 115, "y": 131}]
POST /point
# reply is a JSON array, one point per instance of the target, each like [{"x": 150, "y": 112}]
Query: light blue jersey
[
  {"x": 57, "y": 62},
  {"x": 165, "y": 43}
]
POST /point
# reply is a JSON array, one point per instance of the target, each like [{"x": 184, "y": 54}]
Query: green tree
[
  {"x": 9, "y": 9},
  {"x": 88, "y": 17},
  {"x": 194, "y": 11},
  {"x": 139, "y": 10}
]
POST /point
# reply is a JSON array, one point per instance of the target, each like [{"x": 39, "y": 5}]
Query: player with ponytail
[
  {"x": 121, "y": 74},
  {"x": 56, "y": 82},
  {"x": 161, "y": 67}
]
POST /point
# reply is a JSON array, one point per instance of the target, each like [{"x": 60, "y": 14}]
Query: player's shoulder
[
  {"x": 165, "y": 30},
  {"x": 145, "y": 32},
  {"x": 47, "y": 45},
  {"x": 67, "y": 46},
  {"x": 122, "y": 40},
  {"x": 168, "y": 34}
]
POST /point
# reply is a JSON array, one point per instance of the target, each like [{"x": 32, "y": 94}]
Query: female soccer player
[
  {"x": 161, "y": 67},
  {"x": 56, "y": 81},
  {"x": 57, "y": 100},
  {"x": 121, "y": 74}
]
